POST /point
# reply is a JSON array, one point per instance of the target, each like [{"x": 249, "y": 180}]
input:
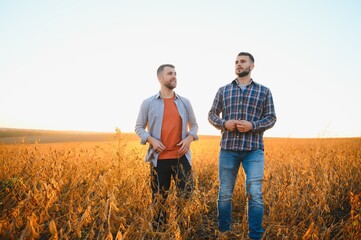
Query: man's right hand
[
  {"x": 231, "y": 125},
  {"x": 157, "y": 145}
]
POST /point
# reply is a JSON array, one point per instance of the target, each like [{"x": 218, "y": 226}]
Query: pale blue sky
[{"x": 87, "y": 65}]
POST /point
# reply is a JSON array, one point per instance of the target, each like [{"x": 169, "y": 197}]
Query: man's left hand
[
  {"x": 185, "y": 145},
  {"x": 244, "y": 126}
]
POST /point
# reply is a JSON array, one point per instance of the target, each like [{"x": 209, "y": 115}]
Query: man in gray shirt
[{"x": 167, "y": 121}]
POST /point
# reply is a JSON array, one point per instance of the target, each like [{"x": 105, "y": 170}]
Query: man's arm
[
  {"x": 216, "y": 109},
  {"x": 269, "y": 118},
  {"x": 141, "y": 123}
]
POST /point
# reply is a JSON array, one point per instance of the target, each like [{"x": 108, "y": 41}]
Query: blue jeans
[{"x": 253, "y": 166}]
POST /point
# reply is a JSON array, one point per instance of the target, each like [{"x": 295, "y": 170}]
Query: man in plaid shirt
[{"x": 242, "y": 110}]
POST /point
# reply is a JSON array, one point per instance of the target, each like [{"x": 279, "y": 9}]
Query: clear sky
[{"x": 87, "y": 65}]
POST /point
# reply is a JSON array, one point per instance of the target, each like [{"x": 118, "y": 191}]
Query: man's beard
[
  {"x": 169, "y": 86},
  {"x": 245, "y": 72}
]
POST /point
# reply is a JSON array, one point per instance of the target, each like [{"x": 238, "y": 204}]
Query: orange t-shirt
[{"x": 171, "y": 130}]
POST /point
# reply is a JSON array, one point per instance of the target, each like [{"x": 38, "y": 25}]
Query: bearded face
[
  {"x": 243, "y": 66},
  {"x": 168, "y": 78},
  {"x": 171, "y": 85},
  {"x": 243, "y": 72}
]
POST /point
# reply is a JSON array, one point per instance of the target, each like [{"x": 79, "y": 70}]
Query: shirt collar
[
  {"x": 235, "y": 82},
  {"x": 158, "y": 95}
]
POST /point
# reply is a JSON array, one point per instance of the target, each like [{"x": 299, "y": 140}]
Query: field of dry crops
[{"x": 312, "y": 190}]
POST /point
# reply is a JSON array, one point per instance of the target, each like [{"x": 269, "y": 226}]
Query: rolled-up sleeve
[
  {"x": 268, "y": 118},
  {"x": 214, "y": 114},
  {"x": 142, "y": 121},
  {"x": 192, "y": 122}
]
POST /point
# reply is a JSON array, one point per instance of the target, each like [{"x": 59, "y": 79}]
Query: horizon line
[{"x": 114, "y": 132}]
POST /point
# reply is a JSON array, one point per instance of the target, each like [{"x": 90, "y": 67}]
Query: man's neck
[
  {"x": 244, "y": 80},
  {"x": 166, "y": 93}
]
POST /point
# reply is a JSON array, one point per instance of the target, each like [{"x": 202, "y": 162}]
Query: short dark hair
[
  {"x": 161, "y": 68},
  {"x": 247, "y": 54}
]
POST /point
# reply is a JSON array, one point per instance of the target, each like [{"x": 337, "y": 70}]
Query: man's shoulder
[
  {"x": 149, "y": 100},
  {"x": 260, "y": 86},
  {"x": 227, "y": 86},
  {"x": 183, "y": 99},
  {"x": 152, "y": 98}
]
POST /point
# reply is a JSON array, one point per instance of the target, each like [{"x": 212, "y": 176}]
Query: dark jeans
[{"x": 181, "y": 172}]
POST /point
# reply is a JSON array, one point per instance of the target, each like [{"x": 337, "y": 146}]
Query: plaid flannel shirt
[{"x": 254, "y": 103}]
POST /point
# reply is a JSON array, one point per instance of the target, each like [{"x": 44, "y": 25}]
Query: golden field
[{"x": 100, "y": 190}]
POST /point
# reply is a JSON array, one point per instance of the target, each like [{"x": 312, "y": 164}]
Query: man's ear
[{"x": 252, "y": 66}]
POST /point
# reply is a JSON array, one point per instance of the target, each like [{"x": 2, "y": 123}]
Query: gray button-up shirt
[{"x": 150, "y": 118}]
